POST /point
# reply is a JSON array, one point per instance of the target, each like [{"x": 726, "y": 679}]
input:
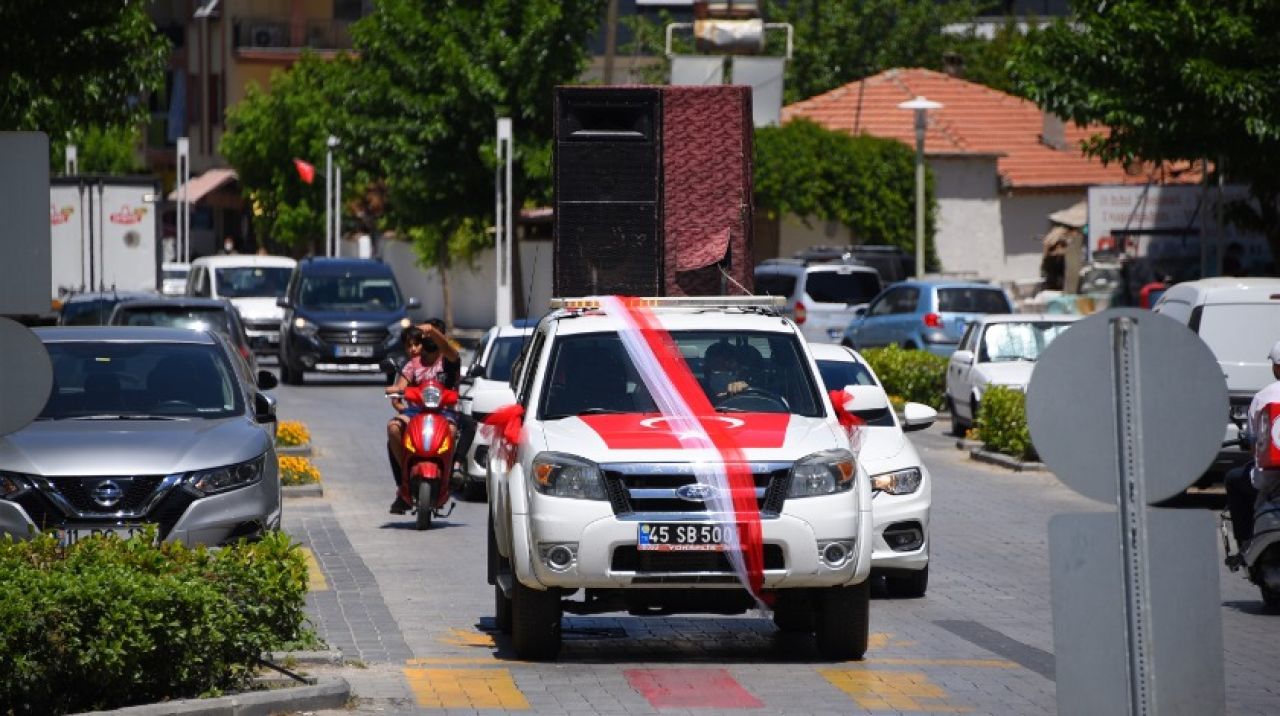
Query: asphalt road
[{"x": 413, "y": 615}]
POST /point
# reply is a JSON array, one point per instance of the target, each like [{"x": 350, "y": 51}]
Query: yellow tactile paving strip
[
  {"x": 891, "y": 690},
  {"x": 315, "y": 576},
  {"x": 465, "y": 688}
]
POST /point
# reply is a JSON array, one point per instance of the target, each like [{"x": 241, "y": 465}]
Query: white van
[
  {"x": 252, "y": 283},
  {"x": 1239, "y": 319},
  {"x": 821, "y": 295}
]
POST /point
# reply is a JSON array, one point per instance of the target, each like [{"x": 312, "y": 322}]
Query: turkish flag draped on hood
[{"x": 306, "y": 171}]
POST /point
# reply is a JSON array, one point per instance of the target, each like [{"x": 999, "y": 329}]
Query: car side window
[
  {"x": 885, "y": 304},
  {"x": 966, "y": 341},
  {"x": 527, "y": 373},
  {"x": 905, "y": 299}
]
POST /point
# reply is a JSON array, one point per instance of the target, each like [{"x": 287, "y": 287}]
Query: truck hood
[
  {"x": 646, "y": 437},
  {"x": 116, "y": 447},
  {"x": 258, "y": 308}
]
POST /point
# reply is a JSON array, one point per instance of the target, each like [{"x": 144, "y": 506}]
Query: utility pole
[{"x": 610, "y": 40}]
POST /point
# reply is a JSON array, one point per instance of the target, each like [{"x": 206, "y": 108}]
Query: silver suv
[{"x": 820, "y": 296}]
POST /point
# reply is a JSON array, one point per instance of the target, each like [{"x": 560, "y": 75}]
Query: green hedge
[
  {"x": 109, "y": 622},
  {"x": 1002, "y": 423},
  {"x": 915, "y": 376}
]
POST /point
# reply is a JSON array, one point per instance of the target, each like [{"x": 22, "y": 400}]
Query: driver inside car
[{"x": 723, "y": 371}]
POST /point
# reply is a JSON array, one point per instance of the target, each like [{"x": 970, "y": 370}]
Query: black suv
[{"x": 341, "y": 315}]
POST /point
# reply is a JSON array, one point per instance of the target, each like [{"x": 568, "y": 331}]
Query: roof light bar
[{"x": 593, "y": 302}]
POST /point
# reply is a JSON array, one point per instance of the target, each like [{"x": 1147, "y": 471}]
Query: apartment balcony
[{"x": 273, "y": 34}]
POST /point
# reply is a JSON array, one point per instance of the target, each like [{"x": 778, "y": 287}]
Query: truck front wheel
[
  {"x": 842, "y": 621},
  {"x": 535, "y": 622}
]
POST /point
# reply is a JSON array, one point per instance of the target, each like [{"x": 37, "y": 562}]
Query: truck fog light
[
  {"x": 559, "y": 557},
  {"x": 835, "y": 554}
]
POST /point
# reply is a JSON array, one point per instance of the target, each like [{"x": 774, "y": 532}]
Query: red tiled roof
[{"x": 974, "y": 120}]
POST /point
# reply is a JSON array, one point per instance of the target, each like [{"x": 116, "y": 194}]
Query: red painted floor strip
[{"x": 691, "y": 688}]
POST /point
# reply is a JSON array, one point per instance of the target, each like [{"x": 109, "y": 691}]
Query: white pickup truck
[{"x": 600, "y": 496}]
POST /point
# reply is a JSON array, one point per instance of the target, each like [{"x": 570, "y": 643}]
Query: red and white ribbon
[{"x": 691, "y": 417}]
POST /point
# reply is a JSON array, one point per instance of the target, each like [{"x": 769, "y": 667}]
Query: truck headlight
[
  {"x": 822, "y": 473},
  {"x": 304, "y": 327},
  {"x": 898, "y": 482},
  {"x": 230, "y": 477},
  {"x": 560, "y": 475}
]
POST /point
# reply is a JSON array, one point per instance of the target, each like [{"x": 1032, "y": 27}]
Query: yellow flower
[
  {"x": 297, "y": 471},
  {"x": 291, "y": 432}
]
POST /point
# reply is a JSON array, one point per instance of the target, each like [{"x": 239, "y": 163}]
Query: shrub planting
[
  {"x": 913, "y": 376},
  {"x": 297, "y": 471},
  {"x": 1002, "y": 423}
]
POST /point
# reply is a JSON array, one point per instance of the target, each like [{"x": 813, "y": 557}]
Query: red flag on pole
[{"x": 306, "y": 171}]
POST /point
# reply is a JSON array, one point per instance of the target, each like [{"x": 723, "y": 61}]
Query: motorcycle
[
  {"x": 430, "y": 440},
  {"x": 1260, "y": 555}
]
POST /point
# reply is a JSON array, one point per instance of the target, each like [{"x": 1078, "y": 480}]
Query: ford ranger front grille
[
  {"x": 656, "y": 488},
  {"x": 626, "y": 558}
]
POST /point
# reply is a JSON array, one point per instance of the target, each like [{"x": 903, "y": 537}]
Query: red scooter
[{"x": 430, "y": 439}]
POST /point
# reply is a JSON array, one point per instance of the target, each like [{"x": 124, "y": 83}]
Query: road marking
[
  {"x": 975, "y": 663},
  {"x": 466, "y": 637},
  {"x": 882, "y": 640},
  {"x": 451, "y": 661},
  {"x": 891, "y": 690},
  {"x": 465, "y": 688},
  {"x": 690, "y": 688},
  {"x": 315, "y": 575}
]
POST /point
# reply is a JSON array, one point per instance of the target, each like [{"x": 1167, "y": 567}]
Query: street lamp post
[
  {"x": 332, "y": 196},
  {"x": 921, "y": 107}
]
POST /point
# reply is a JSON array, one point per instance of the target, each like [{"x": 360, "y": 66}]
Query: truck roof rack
[{"x": 593, "y": 302}]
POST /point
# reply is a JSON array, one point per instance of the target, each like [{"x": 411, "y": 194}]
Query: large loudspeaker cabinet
[{"x": 652, "y": 191}]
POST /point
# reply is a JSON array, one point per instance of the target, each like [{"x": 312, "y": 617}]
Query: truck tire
[
  {"x": 535, "y": 623},
  {"x": 843, "y": 617},
  {"x": 501, "y": 610},
  {"x": 793, "y": 612},
  {"x": 908, "y": 586}
]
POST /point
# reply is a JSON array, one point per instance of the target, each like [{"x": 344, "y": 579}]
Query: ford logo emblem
[
  {"x": 697, "y": 492},
  {"x": 107, "y": 493}
]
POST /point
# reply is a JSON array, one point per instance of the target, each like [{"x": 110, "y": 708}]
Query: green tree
[
  {"x": 863, "y": 182},
  {"x": 1173, "y": 81},
  {"x": 269, "y": 129},
  {"x": 67, "y": 65},
  {"x": 434, "y": 77},
  {"x": 99, "y": 150}
]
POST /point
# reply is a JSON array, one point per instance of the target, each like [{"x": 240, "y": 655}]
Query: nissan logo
[
  {"x": 697, "y": 492},
  {"x": 107, "y": 493}
]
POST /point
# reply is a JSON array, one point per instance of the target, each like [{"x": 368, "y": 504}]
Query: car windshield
[
  {"x": 253, "y": 281},
  {"x": 1018, "y": 341},
  {"x": 848, "y": 288},
  {"x": 502, "y": 356},
  {"x": 349, "y": 293},
  {"x": 836, "y": 374},
  {"x": 124, "y": 380},
  {"x": 592, "y": 373},
  {"x": 86, "y": 313},
  {"x": 196, "y": 319},
  {"x": 972, "y": 300}
]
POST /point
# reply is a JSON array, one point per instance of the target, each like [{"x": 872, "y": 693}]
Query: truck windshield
[
  {"x": 738, "y": 371},
  {"x": 252, "y": 281}
]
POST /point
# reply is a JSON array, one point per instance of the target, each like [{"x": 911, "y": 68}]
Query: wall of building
[
  {"x": 796, "y": 234},
  {"x": 1025, "y": 218},
  {"x": 969, "y": 237}
]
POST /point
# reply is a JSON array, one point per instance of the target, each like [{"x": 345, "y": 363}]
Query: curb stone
[
  {"x": 967, "y": 444},
  {"x": 303, "y": 450},
  {"x": 321, "y": 656},
  {"x": 316, "y": 490},
  {"x": 332, "y": 692},
  {"x": 1012, "y": 463}
]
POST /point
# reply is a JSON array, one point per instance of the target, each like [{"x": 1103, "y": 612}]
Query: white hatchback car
[
  {"x": 997, "y": 349},
  {"x": 486, "y": 388},
  {"x": 900, "y": 482}
]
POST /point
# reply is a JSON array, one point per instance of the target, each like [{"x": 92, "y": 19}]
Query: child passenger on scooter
[{"x": 431, "y": 357}]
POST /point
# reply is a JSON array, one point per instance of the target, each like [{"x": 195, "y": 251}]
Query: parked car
[
  {"x": 144, "y": 426},
  {"x": 486, "y": 388},
  {"x": 1239, "y": 319},
  {"x": 200, "y": 314},
  {"x": 927, "y": 314},
  {"x": 900, "y": 482},
  {"x": 342, "y": 315},
  {"x": 252, "y": 284},
  {"x": 997, "y": 349},
  {"x": 173, "y": 278},
  {"x": 94, "y": 308},
  {"x": 820, "y": 295}
]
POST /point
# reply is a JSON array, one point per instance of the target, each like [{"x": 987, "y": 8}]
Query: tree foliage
[
  {"x": 99, "y": 150},
  {"x": 863, "y": 182},
  {"x": 71, "y": 64},
  {"x": 1173, "y": 81},
  {"x": 268, "y": 129}
]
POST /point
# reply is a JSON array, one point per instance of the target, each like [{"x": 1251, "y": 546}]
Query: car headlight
[
  {"x": 560, "y": 475},
  {"x": 12, "y": 485},
  {"x": 395, "y": 329},
  {"x": 822, "y": 473},
  {"x": 230, "y": 477},
  {"x": 304, "y": 327},
  {"x": 898, "y": 482}
]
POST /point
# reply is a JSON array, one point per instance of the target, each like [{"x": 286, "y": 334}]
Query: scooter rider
[
  {"x": 1245, "y": 482},
  {"x": 431, "y": 357}
]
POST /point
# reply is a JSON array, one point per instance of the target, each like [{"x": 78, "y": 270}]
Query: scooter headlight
[{"x": 431, "y": 397}]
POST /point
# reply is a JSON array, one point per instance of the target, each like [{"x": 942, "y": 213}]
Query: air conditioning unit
[{"x": 267, "y": 36}]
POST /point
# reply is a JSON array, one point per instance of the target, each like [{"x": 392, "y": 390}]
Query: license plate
[
  {"x": 353, "y": 351},
  {"x": 682, "y": 537},
  {"x": 68, "y": 536}
]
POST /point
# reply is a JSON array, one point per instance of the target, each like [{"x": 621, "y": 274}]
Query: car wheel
[
  {"x": 958, "y": 428},
  {"x": 842, "y": 619},
  {"x": 288, "y": 374},
  {"x": 909, "y": 346},
  {"x": 535, "y": 622},
  {"x": 425, "y": 500},
  {"x": 1270, "y": 598},
  {"x": 910, "y": 586},
  {"x": 501, "y": 610}
]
